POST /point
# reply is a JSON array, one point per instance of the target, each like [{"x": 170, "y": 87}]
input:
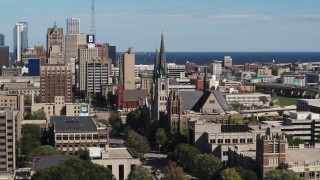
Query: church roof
[
  {"x": 190, "y": 98},
  {"x": 134, "y": 94}
]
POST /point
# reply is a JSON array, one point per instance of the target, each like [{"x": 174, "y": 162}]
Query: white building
[
  {"x": 20, "y": 39},
  {"x": 176, "y": 71},
  {"x": 248, "y": 99},
  {"x": 215, "y": 68},
  {"x": 73, "y": 26},
  {"x": 119, "y": 160}
]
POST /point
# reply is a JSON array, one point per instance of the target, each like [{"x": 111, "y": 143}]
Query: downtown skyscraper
[
  {"x": 73, "y": 26},
  {"x": 20, "y": 39},
  {"x": 2, "y": 41}
]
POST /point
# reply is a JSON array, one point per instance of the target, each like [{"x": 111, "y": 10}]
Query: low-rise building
[
  {"x": 70, "y": 134},
  {"x": 248, "y": 99},
  {"x": 119, "y": 160}
]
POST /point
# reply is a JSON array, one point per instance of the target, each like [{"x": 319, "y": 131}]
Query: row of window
[
  {"x": 228, "y": 141},
  {"x": 82, "y": 137}
]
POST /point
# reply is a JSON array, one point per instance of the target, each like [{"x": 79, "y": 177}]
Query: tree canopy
[
  {"x": 174, "y": 172},
  {"x": 206, "y": 166},
  {"x": 282, "y": 174},
  {"x": 74, "y": 169},
  {"x": 263, "y": 99},
  {"x": 140, "y": 172},
  {"x": 43, "y": 150},
  {"x": 183, "y": 155},
  {"x": 139, "y": 143},
  {"x": 230, "y": 174},
  {"x": 161, "y": 137},
  {"x": 247, "y": 174},
  {"x": 38, "y": 115}
]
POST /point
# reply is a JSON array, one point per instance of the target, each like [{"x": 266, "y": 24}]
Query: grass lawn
[{"x": 286, "y": 101}]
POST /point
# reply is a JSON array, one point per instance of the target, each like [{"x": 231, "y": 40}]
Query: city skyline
[{"x": 190, "y": 26}]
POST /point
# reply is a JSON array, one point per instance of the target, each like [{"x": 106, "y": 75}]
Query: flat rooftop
[
  {"x": 119, "y": 153},
  {"x": 301, "y": 155},
  {"x": 73, "y": 124},
  {"x": 273, "y": 123}
]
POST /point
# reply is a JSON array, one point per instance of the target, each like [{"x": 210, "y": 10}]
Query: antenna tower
[{"x": 93, "y": 19}]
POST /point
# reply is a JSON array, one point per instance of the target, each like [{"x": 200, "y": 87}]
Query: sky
[{"x": 187, "y": 25}]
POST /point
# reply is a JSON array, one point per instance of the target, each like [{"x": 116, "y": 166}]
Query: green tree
[
  {"x": 237, "y": 106},
  {"x": 230, "y": 174},
  {"x": 43, "y": 150},
  {"x": 74, "y": 169},
  {"x": 173, "y": 140},
  {"x": 115, "y": 123},
  {"x": 140, "y": 172},
  {"x": 282, "y": 174},
  {"x": 247, "y": 174},
  {"x": 37, "y": 99},
  {"x": 31, "y": 138},
  {"x": 135, "y": 120},
  {"x": 27, "y": 100},
  {"x": 161, "y": 137},
  {"x": 293, "y": 141},
  {"x": 183, "y": 155},
  {"x": 174, "y": 172},
  {"x": 139, "y": 143},
  {"x": 263, "y": 99},
  {"x": 38, "y": 115},
  {"x": 206, "y": 166}
]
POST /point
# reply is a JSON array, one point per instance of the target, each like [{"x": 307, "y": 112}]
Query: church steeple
[
  {"x": 163, "y": 59},
  {"x": 156, "y": 65}
]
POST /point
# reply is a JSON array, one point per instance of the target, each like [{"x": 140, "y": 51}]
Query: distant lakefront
[{"x": 237, "y": 57}]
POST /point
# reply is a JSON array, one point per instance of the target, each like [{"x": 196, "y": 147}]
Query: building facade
[
  {"x": 55, "y": 80},
  {"x": 55, "y": 44},
  {"x": 97, "y": 75},
  {"x": 4, "y": 56},
  {"x": 227, "y": 61},
  {"x": 2, "y": 39},
  {"x": 127, "y": 70},
  {"x": 72, "y": 43},
  {"x": 70, "y": 134},
  {"x": 73, "y": 26},
  {"x": 20, "y": 39}
]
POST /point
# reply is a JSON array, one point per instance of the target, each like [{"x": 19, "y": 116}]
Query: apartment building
[{"x": 248, "y": 99}]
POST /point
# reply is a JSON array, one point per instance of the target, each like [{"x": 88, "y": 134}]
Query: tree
[
  {"x": 246, "y": 174},
  {"x": 237, "y": 106},
  {"x": 173, "y": 140},
  {"x": 115, "y": 123},
  {"x": 31, "y": 138},
  {"x": 43, "y": 150},
  {"x": 27, "y": 100},
  {"x": 161, "y": 137},
  {"x": 137, "y": 142},
  {"x": 38, "y": 115},
  {"x": 174, "y": 172},
  {"x": 264, "y": 99},
  {"x": 293, "y": 141},
  {"x": 230, "y": 174},
  {"x": 140, "y": 172},
  {"x": 206, "y": 166},
  {"x": 183, "y": 155},
  {"x": 37, "y": 99},
  {"x": 213, "y": 88},
  {"x": 74, "y": 169},
  {"x": 282, "y": 174},
  {"x": 135, "y": 120}
]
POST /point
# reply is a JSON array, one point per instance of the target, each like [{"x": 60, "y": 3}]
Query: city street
[{"x": 156, "y": 161}]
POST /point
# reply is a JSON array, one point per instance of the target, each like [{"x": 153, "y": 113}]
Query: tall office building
[
  {"x": 55, "y": 45},
  {"x": 20, "y": 39},
  {"x": 113, "y": 53},
  {"x": 215, "y": 68},
  {"x": 227, "y": 61},
  {"x": 72, "y": 43},
  {"x": 4, "y": 56},
  {"x": 55, "y": 80},
  {"x": 2, "y": 40},
  {"x": 86, "y": 54},
  {"x": 38, "y": 51},
  {"x": 127, "y": 62},
  {"x": 97, "y": 75},
  {"x": 73, "y": 26}
]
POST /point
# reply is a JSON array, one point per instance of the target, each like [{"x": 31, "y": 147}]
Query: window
[
  {"x": 234, "y": 140},
  {"x": 121, "y": 172},
  {"x": 249, "y": 140},
  {"x": 220, "y": 141},
  {"x": 65, "y": 137},
  {"x": 242, "y": 140},
  {"x": 225, "y": 153},
  {"x": 270, "y": 148},
  {"x": 276, "y": 148},
  {"x": 211, "y": 101},
  {"x": 212, "y": 141},
  {"x": 227, "y": 140}
]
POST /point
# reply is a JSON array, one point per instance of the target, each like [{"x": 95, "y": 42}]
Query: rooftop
[
  {"x": 301, "y": 155},
  {"x": 42, "y": 162},
  {"x": 73, "y": 124}
]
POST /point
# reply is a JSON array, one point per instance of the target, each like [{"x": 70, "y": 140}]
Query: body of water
[{"x": 237, "y": 57}]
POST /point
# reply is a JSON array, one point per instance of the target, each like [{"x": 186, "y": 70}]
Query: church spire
[
  {"x": 163, "y": 59},
  {"x": 156, "y": 66}
]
